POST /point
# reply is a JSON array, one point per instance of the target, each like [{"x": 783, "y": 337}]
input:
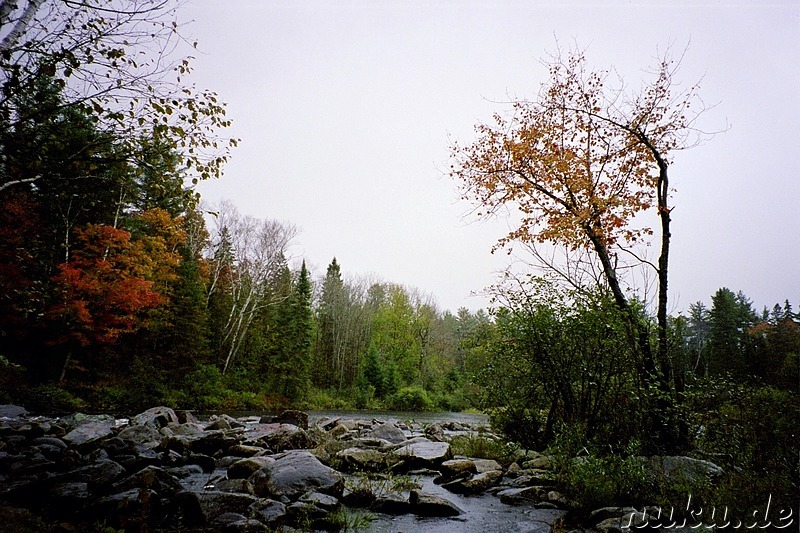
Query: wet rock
[
  {"x": 474, "y": 484},
  {"x": 323, "y": 501},
  {"x": 290, "y": 416},
  {"x": 394, "y": 504},
  {"x": 234, "y": 485},
  {"x": 521, "y": 496},
  {"x": 435, "y": 432},
  {"x": 244, "y": 468},
  {"x": 243, "y": 450},
  {"x": 295, "y": 473},
  {"x": 278, "y": 437},
  {"x": 268, "y": 511},
  {"x": 388, "y": 432},
  {"x": 423, "y": 504},
  {"x": 423, "y": 454},
  {"x": 98, "y": 475},
  {"x": 214, "y": 503},
  {"x": 152, "y": 478}
]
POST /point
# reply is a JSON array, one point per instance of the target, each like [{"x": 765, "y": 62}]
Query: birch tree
[{"x": 255, "y": 249}]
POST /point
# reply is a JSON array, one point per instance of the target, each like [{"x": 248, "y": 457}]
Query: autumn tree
[
  {"x": 103, "y": 292},
  {"x": 581, "y": 163}
]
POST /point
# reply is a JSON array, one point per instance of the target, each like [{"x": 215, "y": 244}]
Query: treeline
[{"x": 117, "y": 287}]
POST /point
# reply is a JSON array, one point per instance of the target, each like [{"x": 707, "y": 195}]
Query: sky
[{"x": 347, "y": 110}]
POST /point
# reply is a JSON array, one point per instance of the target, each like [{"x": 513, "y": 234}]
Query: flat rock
[
  {"x": 89, "y": 432},
  {"x": 423, "y": 454},
  {"x": 423, "y": 504},
  {"x": 12, "y": 411}
]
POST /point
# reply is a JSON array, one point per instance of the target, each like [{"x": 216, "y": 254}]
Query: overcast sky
[{"x": 346, "y": 111}]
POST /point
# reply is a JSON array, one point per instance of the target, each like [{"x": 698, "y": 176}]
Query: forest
[{"x": 121, "y": 289}]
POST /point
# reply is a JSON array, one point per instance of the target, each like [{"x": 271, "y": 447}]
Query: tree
[
  {"x": 580, "y": 164},
  {"x": 730, "y": 344},
  {"x": 114, "y": 62},
  {"x": 247, "y": 253},
  {"x": 103, "y": 291}
]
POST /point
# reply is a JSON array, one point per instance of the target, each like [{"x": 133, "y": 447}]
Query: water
[
  {"x": 473, "y": 419},
  {"x": 482, "y": 514}
]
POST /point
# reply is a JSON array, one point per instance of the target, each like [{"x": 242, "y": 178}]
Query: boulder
[
  {"x": 295, "y": 473},
  {"x": 12, "y": 411},
  {"x": 157, "y": 417},
  {"x": 89, "y": 433},
  {"x": 423, "y": 504},
  {"x": 278, "y": 437},
  {"x": 388, "y": 432},
  {"x": 423, "y": 454},
  {"x": 270, "y": 512},
  {"x": 214, "y": 503},
  {"x": 360, "y": 459},
  {"x": 522, "y": 496},
  {"x": 244, "y": 468},
  {"x": 146, "y": 435},
  {"x": 474, "y": 484},
  {"x": 152, "y": 478},
  {"x": 290, "y": 416}
]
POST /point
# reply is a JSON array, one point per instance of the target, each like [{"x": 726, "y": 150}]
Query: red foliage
[{"x": 103, "y": 292}]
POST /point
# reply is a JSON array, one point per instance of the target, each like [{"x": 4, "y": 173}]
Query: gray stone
[
  {"x": 214, "y": 503},
  {"x": 157, "y": 417},
  {"x": 89, "y": 433},
  {"x": 474, "y": 484},
  {"x": 268, "y": 511},
  {"x": 521, "y": 496},
  {"x": 153, "y": 478},
  {"x": 244, "y": 468},
  {"x": 295, "y": 473},
  {"x": 147, "y": 435},
  {"x": 323, "y": 501},
  {"x": 423, "y": 454},
  {"x": 423, "y": 504},
  {"x": 388, "y": 432},
  {"x": 359, "y": 459},
  {"x": 278, "y": 437},
  {"x": 12, "y": 411}
]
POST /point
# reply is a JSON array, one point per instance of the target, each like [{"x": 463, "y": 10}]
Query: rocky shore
[{"x": 167, "y": 470}]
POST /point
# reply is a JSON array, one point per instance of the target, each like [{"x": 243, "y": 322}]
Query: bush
[
  {"x": 410, "y": 399},
  {"x": 51, "y": 399}
]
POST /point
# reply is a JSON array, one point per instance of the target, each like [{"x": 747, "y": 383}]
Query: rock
[
  {"x": 327, "y": 423},
  {"x": 323, "y": 501},
  {"x": 521, "y": 496},
  {"x": 152, "y": 478},
  {"x": 214, "y": 503},
  {"x": 359, "y": 459},
  {"x": 486, "y": 465},
  {"x": 234, "y": 485},
  {"x": 423, "y": 454},
  {"x": 423, "y": 504},
  {"x": 290, "y": 416},
  {"x": 219, "y": 423},
  {"x": 392, "y": 503},
  {"x": 157, "y": 417},
  {"x": 278, "y": 437},
  {"x": 243, "y": 450},
  {"x": 388, "y": 432},
  {"x": 146, "y": 435},
  {"x": 295, "y": 473},
  {"x": 474, "y": 484},
  {"x": 541, "y": 462},
  {"x": 100, "y": 474},
  {"x": 12, "y": 411},
  {"x": 680, "y": 469},
  {"x": 435, "y": 432},
  {"x": 244, "y": 468},
  {"x": 89, "y": 433},
  {"x": 338, "y": 431},
  {"x": 268, "y": 511}
]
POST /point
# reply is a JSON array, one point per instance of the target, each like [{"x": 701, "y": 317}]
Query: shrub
[
  {"x": 410, "y": 399},
  {"x": 483, "y": 446}
]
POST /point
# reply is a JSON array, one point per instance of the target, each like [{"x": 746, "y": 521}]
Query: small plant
[{"x": 410, "y": 399}]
